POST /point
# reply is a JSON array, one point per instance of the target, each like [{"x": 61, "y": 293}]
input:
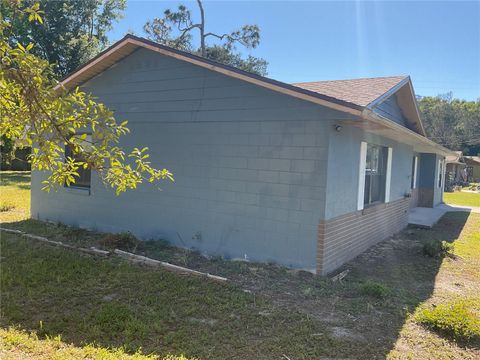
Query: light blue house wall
[
  {"x": 256, "y": 172},
  {"x": 343, "y": 169},
  {"x": 249, "y": 164},
  {"x": 391, "y": 110}
]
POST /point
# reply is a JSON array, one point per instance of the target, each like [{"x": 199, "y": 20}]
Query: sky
[{"x": 437, "y": 43}]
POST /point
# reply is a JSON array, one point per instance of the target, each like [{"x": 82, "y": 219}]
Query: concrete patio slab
[{"x": 425, "y": 217}]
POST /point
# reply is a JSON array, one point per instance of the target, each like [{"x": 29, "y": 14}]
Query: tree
[
  {"x": 175, "y": 29},
  {"x": 35, "y": 110},
  {"x": 452, "y": 122},
  {"x": 72, "y": 32}
]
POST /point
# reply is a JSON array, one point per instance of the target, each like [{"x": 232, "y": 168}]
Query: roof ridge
[{"x": 354, "y": 79}]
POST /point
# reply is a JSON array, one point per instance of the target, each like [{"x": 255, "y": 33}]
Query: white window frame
[
  {"x": 388, "y": 176},
  {"x": 361, "y": 175},
  {"x": 439, "y": 174},
  {"x": 415, "y": 169}
]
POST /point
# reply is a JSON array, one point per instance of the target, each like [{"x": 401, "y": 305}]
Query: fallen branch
[
  {"x": 139, "y": 259},
  {"x": 340, "y": 276},
  {"x": 124, "y": 254}
]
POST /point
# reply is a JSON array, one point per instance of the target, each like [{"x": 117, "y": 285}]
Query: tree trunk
[{"x": 202, "y": 29}]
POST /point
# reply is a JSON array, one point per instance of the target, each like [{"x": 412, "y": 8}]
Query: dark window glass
[
  {"x": 84, "y": 175},
  {"x": 440, "y": 173},
  {"x": 375, "y": 174}
]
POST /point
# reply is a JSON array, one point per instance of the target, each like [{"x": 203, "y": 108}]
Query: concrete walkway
[
  {"x": 427, "y": 217},
  {"x": 447, "y": 207}
]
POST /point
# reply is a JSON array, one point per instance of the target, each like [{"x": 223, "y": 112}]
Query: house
[
  {"x": 456, "y": 172},
  {"x": 473, "y": 168},
  {"x": 306, "y": 175}
]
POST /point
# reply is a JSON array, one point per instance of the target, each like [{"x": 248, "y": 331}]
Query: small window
[
  {"x": 375, "y": 174},
  {"x": 84, "y": 175}
]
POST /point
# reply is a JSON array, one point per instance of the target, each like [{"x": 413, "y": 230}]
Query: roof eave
[
  {"x": 370, "y": 115},
  {"x": 406, "y": 81}
]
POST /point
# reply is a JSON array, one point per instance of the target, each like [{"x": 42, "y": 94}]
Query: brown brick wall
[{"x": 342, "y": 238}]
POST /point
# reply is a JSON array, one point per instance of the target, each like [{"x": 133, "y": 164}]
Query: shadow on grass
[
  {"x": 286, "y": 312},
  {"x": 18, "y": 179}
]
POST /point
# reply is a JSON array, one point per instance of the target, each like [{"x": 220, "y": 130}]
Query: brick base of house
[{"x": 342, "y": 238}]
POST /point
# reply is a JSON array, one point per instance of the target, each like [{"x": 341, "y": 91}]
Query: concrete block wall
[{"x": 249, "y": 164}]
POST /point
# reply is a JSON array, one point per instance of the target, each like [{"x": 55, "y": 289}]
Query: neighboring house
[
  {"x": 456, "y": 169},
  {"x": 473, "y": 168},
  {"x": 306, "y": 175}
]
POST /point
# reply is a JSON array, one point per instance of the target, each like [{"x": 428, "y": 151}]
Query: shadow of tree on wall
[{"x": 283, "y": 312}]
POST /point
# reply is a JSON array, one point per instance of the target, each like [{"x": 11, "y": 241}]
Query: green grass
[
  {"x": 14, "y": 195},
  {"x": 113, "y": 304},
  {"x": 18, "y": 344},
  {"x": 462, "y": 198},
  {"x": 459, "y": 318}
]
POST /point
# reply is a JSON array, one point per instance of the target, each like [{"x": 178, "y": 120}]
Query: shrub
[
  {"x": 375, "y": 289},
  {"x": 124, "y": 240},
  {"x": 459, "y": 319},
  {"x": 435, "y": 248}
]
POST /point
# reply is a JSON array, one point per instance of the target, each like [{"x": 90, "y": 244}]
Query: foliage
[
  {"x": 434, "y": 247},
  {"x": 451, "y": 122},
  {"x": 7, "y": 149},
  {"x": 175, "y": 29},
  {"x": 68, "y": 33},
  {"x": 459, "y": 319},
  {"x": 375, "y": 289},
  {"x": 38, "y": 112}
]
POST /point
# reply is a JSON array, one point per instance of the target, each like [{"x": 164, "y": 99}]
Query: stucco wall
[
  {"x": 343, "y": 169},
  {"x": 249, "y": 164}
]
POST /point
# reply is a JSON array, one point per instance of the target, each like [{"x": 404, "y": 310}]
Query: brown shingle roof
[{"x": 356, "y": 91}]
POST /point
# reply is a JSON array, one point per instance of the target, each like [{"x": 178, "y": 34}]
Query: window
[
  {"x": 375, "y": 174},
  {"x": 413, "y": 184},
  {"x": 84, "y": 175},
  {"x": 440, "y": 173}
]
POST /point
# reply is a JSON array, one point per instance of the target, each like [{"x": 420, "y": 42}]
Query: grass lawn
[
  {"x": 14, "y": 195},
  {"x": 462, "y": 198},
  {"x": 57, "y": 304}
]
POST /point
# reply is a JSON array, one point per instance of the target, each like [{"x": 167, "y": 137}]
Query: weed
[
  {"x": 375, "y": 289},
  {"x": 434, "y": 248},
  {"x": 459, "y": 319},
  {"x": 124, "y": 240}
]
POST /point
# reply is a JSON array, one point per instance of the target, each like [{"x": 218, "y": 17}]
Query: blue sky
[{"x": 437, "y": 43}]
